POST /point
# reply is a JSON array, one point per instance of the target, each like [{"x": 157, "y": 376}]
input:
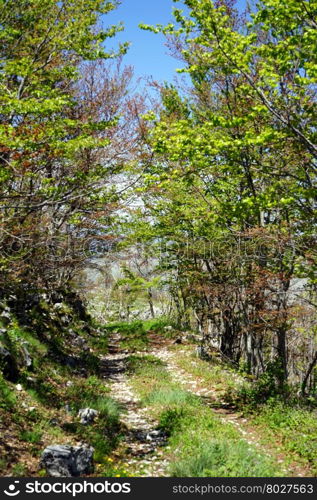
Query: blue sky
[{"x": 147, "y": 53}]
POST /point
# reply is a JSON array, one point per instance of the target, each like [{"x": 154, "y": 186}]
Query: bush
[
  {"x": 258, "y": 392},
  {"x": 295, "y": 426},
  {"x": 171, "y": 420}
]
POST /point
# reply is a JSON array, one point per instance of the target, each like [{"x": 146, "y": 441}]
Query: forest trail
[
  {"x": 140, "y": 448},
  {"x": 143, "y": 450}
]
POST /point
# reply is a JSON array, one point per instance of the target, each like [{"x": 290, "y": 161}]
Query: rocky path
[
  {"x": 144, "y": 447},
  {"x": 142, "y": 443}
]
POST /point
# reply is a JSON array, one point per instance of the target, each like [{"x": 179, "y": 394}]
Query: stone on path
[
  {"x": 87, "y": 415},
  {"x": 67, "y": 461}
]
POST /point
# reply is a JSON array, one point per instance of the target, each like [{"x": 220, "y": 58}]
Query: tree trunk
[
  {"x": 308, "y": 373},
  {"x": 150, "y": 299}
]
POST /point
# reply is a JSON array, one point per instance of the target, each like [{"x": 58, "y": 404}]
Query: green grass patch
[
  {"x": 149, "y": 375},
  {"x": 45, "y": 392},
  {"x": 31, "y": 436},
  {"x": 134, "y": 334},
  {"x": 19, "y": 470},
  {"x": 16, "y": 337},
  {"x": 218, "y": 458},
  {"x": 136, "y": 363},
  {"x": 294, "y": 426},
  {"x": 92, "y": 393},
  {"x": 170, "y": 396},
  {"x": 7, "y": 395}
]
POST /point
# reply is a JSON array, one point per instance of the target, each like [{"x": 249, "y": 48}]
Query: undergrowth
[{"x": 43, "y": 409}]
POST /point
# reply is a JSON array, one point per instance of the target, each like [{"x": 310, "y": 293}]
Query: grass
[
  {"x": 104, "y": 434},
  {"x": 7, "y": 396},
  {"x": 196, "y": 449},
  {"x": 3, "y": 465},
  {"x": 217, "y": 458},
  {"x": 19, "y": 470},
  {"x": 137, "y": 363},
  {"x": 16, "y": 335},
  {"x": 294, "y": 426},
  {"x": 31, "y": 436},
  {"x": 134, "y": 334},
  {"x": 172, "y": 396}
]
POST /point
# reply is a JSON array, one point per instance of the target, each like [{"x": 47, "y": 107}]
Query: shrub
[
  {"x": 252, "y": 394},
  {"x": 171, "y": 420}
]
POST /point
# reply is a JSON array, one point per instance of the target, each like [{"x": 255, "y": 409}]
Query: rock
[
  {"x": 8, "y": 365},
  {"x": 53, "y": 422},
  {"x": 79, "y": 341},
  {"x": 67, "y": 461},
  {"x": 69, "y": 383},
  {"x": 68, "y": 408},
  {"x": 26, "y": 355},
  {"x": 58, "y": 306},
  {"x": 5, "y": 317},
  {"x": 168, "y": 328},
  {"x": 202, "y": 353},
  {"x": 19, "y": 387},
  {"x": 87, "y": 415},
  {"x": 158, "y": 436}
]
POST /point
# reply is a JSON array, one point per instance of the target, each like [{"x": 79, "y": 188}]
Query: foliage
[
  {"x": 227, "y": 194},
  {"x": 33, "y": 436},
  {"x": 51, "y": 140},
  {"x": 252, "y": 394},
  {"x": 171, "y": 419}
]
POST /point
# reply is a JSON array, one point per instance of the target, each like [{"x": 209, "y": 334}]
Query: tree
[
  {"x": 235, "y": 163},
  {"x": 50, "y": 141}
]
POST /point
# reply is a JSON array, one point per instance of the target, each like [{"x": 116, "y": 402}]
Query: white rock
[{"x": 87, "y": 415}]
